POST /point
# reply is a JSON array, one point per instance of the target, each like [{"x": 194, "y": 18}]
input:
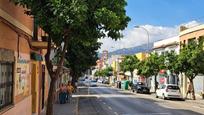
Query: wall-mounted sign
[{"x": 22, "y": 76}]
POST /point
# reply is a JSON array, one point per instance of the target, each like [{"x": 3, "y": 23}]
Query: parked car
[
  {"x": 100, "y": 81},
  {"x": 87, "y": 82},
  {"x": 168, "y": 91},
  {"x": 105, "y": 81},
  {"x": 140, "y": 87},
  {"x": 93, "y": 83},
  {"x": 81, "y": 81}
]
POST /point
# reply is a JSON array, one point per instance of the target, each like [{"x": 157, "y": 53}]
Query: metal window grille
[{"x": 6, "y": 84}]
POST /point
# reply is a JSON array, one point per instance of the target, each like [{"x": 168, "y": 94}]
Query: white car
[
  {"x": 100, "y": 81},
  {"x": 87, "y": 82},
  {"x": 93, "y": 83},
  {"x": 168, "y": 91}
]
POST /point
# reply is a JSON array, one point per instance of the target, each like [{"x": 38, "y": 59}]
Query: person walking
[
  {"x": 70, "y": 89},
  {"x": 189, "y": 89},
  {"x": 61, "y": 94}
]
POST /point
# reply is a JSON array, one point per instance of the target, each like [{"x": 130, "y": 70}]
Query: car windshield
[
  {"x": 93, "y": 81},
  {"x": 172, "y": 87}
]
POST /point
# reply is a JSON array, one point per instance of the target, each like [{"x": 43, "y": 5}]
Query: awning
[{"x": 36, "y": 57}]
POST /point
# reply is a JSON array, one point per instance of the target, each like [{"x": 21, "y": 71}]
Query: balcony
[{"x": 40, "y": 44}]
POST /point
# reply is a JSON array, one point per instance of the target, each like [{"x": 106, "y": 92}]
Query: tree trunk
[
  {"x": 156, "y": 83},
  {"x": 49, "y": 110},
  {"x": 54, "y": 75},
  {"x": 193, "y": 91},
  {"x": 131, "y": 76}
]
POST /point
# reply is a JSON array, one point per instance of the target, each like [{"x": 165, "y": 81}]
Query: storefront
[{"x": 166, "y": 77}]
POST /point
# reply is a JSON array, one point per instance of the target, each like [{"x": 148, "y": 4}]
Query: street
[{"x": 111, "y": 101}]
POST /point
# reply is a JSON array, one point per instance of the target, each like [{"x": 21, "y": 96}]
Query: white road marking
[
  {"x": 195, "y": 106},
  {"x": 150, "y": 114},
  {"x": 198, "y": 107},
  {"x": 110, "y": 108},
  {"x": 159, "y": 113},
  {"x": 115, "y": 113}
]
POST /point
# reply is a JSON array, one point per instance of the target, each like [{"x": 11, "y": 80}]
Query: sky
[{"x": 161, "y": 18}]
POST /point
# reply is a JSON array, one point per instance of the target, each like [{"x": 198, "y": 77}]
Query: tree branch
[
  {"x": 60, "y": 64},
  {"x": 47, "y": 58}
]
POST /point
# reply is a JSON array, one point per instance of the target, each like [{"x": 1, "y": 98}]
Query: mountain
[{"x": 130, "y": 51}]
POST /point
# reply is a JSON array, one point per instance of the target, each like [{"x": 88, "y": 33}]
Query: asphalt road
[{"x": 110, "y": 101}]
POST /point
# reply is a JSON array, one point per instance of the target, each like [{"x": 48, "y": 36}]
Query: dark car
[{"x": 140, "y": 87}]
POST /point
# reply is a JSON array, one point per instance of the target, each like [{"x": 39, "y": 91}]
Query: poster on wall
[{"x": 22, "y": 76}]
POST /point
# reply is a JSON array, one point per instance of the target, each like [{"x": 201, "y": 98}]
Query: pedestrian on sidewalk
[
  {"x": 189, "y": 90},
  {"x": 70, "y": 90},
  {"x": 61, "y": 94}
]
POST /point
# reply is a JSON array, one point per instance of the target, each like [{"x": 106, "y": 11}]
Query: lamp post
[{"x": 147, "y": 36}]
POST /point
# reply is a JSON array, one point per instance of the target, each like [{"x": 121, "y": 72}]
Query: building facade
[
  {"x": 187, "y": 35},
  {"x": 23, "y": 74},
  {"x": 161, "y": 47},
  {"x": 167, "y": 45}
]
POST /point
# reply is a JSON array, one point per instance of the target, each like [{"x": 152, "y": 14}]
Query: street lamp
[{"x": 147, "y": 36}]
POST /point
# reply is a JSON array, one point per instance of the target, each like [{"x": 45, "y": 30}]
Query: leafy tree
[
  {"x": 81, "y": 56},
  {"x": 171, "y": 62},
  {"x": 152, "y": 65},
  {"x": 144, "y": 68},
  {"x": 191, "y": 61},
  {"x": 107, "y": 71},
  {"x": 97, "y": 73},
  {"x": 129, "y": 64},
  {"x": 64, "y": 20},
  {"x": 104, "y": 72}
]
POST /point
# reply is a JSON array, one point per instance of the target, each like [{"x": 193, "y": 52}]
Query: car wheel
[{"x": 164, "y": 97}]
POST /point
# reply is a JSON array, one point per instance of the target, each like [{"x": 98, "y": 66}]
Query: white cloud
[
  {"x": 138, "y": 36},
  {"x": 191, "y": 24}
]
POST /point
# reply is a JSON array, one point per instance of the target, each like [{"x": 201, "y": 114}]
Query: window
[
  {"x": 191, "y": 40},
  {"x": 201, "y": 38},
  {"x": 6, "y": 84}
]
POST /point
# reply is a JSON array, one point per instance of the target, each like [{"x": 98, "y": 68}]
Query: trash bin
[{"x": 124, "y": 84}]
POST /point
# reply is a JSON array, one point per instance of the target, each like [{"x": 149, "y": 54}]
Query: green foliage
[
  {"x": 144, "y": 68},
  {"x": 84, "y": 18},
  {"x": 171, "y": 62},
  {"x": 104, "y": 72},
  {"x": 152, "y": 65},
  {"x": 81, "y": 55},
  {"x": 191, "y": 59},
  {"x": 129, "y": 63}
]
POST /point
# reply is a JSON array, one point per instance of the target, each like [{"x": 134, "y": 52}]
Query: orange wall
[
  {"x": 9, "y": 40},
  {"x": 17, "y": 13},
  {"x": 195, "y": 34}
]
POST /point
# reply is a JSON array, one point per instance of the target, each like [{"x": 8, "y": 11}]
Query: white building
[
  {"x": 167, "y": 45},
  {"x": 160, "y": 47}
]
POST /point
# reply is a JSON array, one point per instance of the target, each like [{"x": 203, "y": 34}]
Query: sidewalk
[
  {"x": 65, "y": 109},
  {"x": 68, "y": 108}
]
